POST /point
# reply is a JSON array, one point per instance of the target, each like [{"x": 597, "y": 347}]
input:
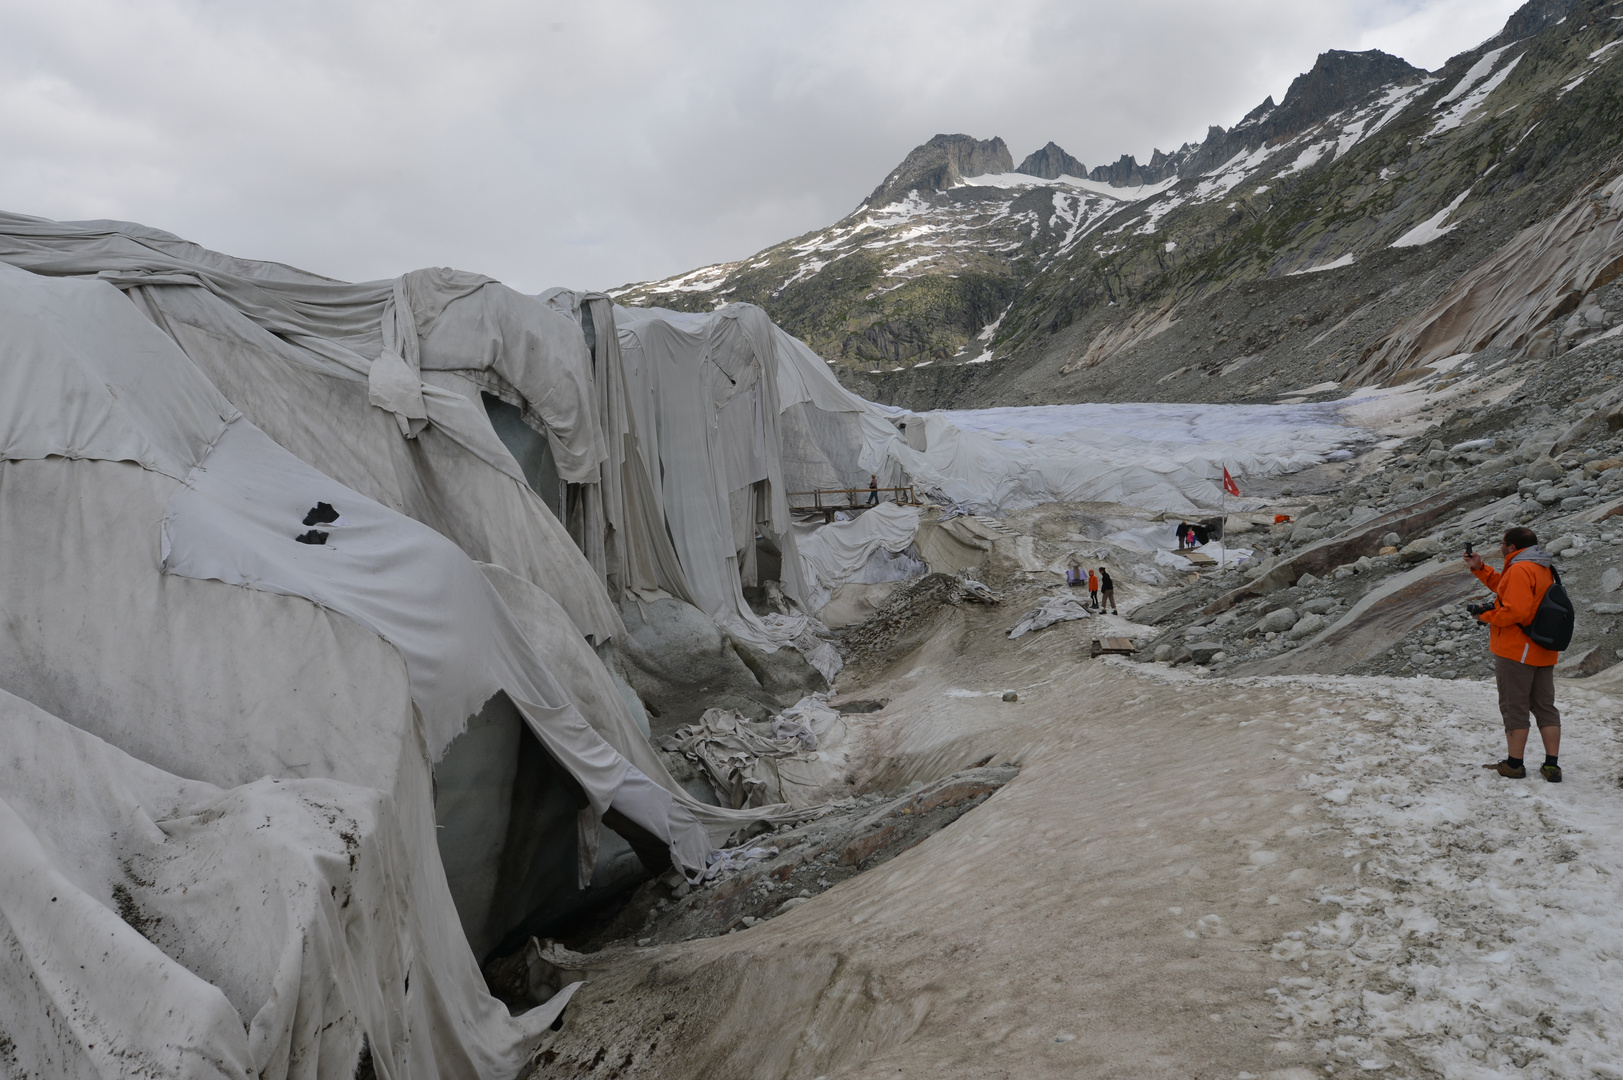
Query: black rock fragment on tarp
[
  {"x": 321, "y": 514},
  {"x": 314, "y": 536}
]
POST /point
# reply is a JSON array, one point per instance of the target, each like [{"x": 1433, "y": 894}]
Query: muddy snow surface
[{"x": 1192, "y": 874}]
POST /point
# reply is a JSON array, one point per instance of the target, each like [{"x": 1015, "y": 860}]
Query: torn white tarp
[{"x": 1059, "y": 607}]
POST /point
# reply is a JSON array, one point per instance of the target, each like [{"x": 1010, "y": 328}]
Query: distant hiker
[
  {"x": 873, "y": 490},
  {"x": 1093, "y": 589},
  {"x": 1107, "y": 592},
  {"x": 1523, "y": 670},
  {"x": 1183, "y": 527},
  {"x": 1073, "y": 576}
]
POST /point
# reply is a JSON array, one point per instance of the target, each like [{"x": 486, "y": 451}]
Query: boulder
[
  {"x": 1303, "y": 533},
  {"x": 1431, "y": 479},
  {"x": 1202, "y": 652},
  {"x": 1306, "y": 626},
  {"x": 1321, "y": 606},
  {"x": 1278, "y": 621},
  {"x": 1561, "y": 544},
  {"x": 1163, "y": 652},
  {"x": 1306, "y": 580},
  {"x": 1581, "y": 665},
  {"x": 1420, "y": 550},
  {"x": 1611, "y": 580},
  {"x": 1544, "y": 469},
  {"x": 1391, "y": 540},
  {"x": 1542, "y": 344}
]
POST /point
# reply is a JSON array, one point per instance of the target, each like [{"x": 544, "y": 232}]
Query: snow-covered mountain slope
[
  {"x": 1271, "y": 257},
  {"x": 915, "y": 278}
]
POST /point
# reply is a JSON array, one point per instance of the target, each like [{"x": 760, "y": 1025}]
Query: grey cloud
[{"x": 597, "y": 144}]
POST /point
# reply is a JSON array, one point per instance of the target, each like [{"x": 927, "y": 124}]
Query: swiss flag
[{"x": 1228, "y": 482}]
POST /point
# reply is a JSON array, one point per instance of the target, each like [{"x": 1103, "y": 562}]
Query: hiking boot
[
  {"x": 1552, "y": 773},
  {"x": 1515, "y": 772}
]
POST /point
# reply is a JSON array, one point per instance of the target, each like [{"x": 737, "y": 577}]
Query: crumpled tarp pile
[
  {"x": 791, "y": 758},
  {"x": 1060, "y": 607}
]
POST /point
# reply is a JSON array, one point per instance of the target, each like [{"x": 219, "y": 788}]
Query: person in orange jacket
[
  {"x": 1093, "y": 589},
  {"x": 1523, "y": 670}
]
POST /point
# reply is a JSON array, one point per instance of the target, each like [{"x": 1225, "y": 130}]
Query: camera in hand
[{"x": 1477, "y": 610}]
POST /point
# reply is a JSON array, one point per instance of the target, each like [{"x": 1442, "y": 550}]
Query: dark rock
[
  {"x": 1202, "y": 652},
  {"x": 1050, "y": 163},
  {"x": 941, "y": 163}
]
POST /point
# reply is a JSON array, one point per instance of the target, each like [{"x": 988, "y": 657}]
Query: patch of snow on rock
[
  {"x": 1463, "y": 108},
  {"x": 1345, "y": 260},
  {"x": 1432, "y": 227}
]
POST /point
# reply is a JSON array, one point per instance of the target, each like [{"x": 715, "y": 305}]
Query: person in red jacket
[
  {"x": 1523, "y": 670},
  {"x": 1093, "y": 589}
]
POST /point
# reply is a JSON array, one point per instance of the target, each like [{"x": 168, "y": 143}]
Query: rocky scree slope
[
  {"x": 1365, "y": 578},
  {"x": 1274, "y": 257}
]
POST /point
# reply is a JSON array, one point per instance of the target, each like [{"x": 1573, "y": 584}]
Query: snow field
[{"x": 1484, "y": 941}]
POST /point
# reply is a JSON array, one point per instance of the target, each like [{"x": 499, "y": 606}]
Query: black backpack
[{"x": 1553, "y": 622}]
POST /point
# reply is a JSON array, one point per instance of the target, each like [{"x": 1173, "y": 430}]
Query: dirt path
[{"x": 1189, "y": 877}]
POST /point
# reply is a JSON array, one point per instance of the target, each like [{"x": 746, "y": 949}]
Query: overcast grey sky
[{"x": 592, "y": 144}]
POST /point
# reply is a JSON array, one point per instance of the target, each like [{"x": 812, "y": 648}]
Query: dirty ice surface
[
  {"x": 1165, "y": 456},
  {"x": 1482, "y": 939}
]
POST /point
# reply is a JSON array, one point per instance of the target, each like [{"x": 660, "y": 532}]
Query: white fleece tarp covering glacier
[
  {"x": 304, "y": 711},
  {"x": 294, "y": 351},
  {"x": 835, "y": 553},
  {"x": 1157, "y": 456},
  {"x": 235, "y": 519},
  {"x": 702, "y": 390}
]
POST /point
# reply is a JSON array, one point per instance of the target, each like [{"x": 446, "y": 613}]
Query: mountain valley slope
[{"x": 1274, "y": 257}]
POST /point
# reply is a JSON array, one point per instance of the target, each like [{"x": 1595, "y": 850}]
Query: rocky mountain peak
[
  {"x": 1530, "y": 18},
  {"x": 942, "y": 162},
  {"x": 1050, "y": 163},
  {"x": 1337, "y": 79}
]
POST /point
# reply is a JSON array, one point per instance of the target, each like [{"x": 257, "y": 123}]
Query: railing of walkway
[{"x": 828, "y": 500}]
